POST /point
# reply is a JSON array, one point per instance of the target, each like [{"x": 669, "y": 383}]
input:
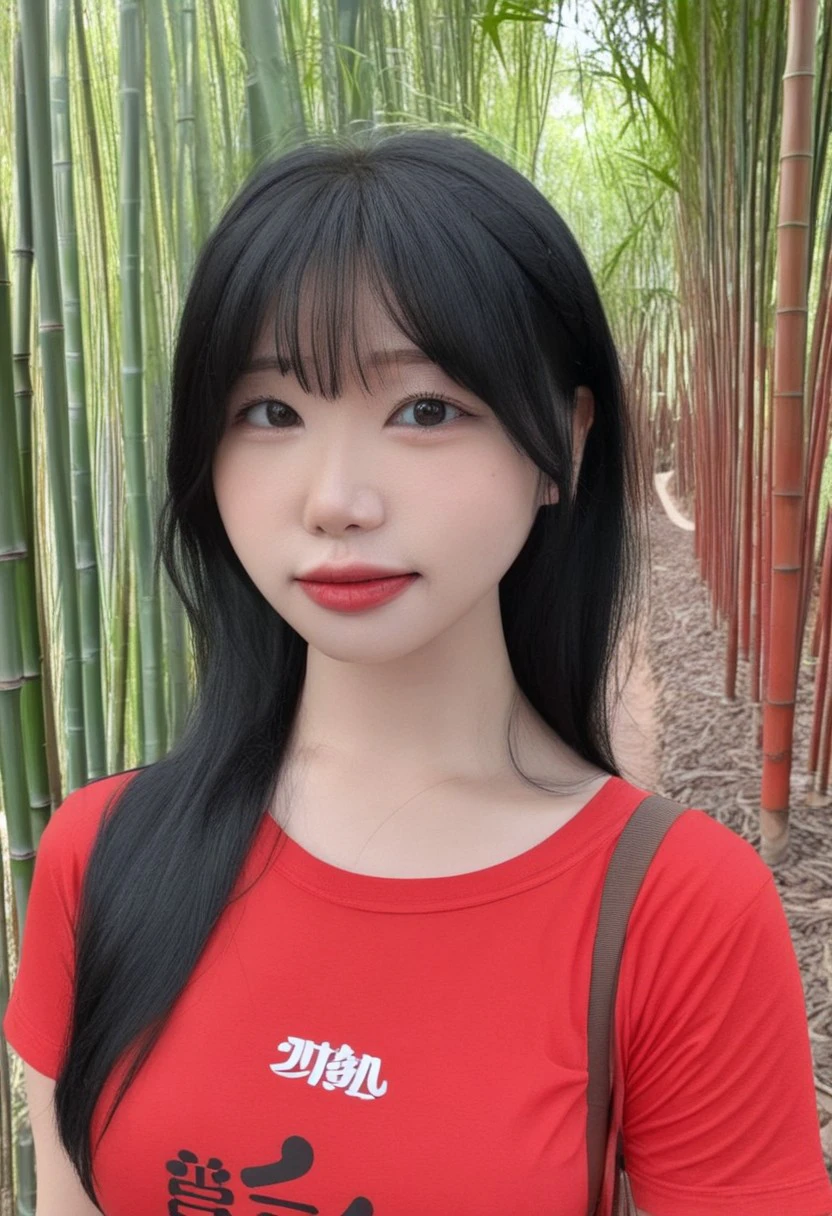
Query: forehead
[
  {"x": 373, "y": 326},
  {"x": 368, "y": 338}
]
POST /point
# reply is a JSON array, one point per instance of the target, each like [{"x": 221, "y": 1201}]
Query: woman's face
[{"x": 433, "y": 488}]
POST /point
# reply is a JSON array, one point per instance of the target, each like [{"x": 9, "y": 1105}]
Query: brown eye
[
  {"x": 277, "y": 413},
  {"x": 434, "y": 415}
]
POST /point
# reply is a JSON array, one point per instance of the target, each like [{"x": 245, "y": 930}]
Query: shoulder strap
[{"x": 635, "y": 849}]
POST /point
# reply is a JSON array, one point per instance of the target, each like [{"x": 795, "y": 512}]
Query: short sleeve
[
  {"x": 37, "y": 1016},
  {"x": 40, "y": 1004},
  {"x": 720, "y": 1113}
]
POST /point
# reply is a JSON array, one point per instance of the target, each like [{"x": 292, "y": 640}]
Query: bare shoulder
[{"x": 59, "y": 1190}]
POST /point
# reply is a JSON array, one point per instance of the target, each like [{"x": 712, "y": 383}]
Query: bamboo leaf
[{"x": 663, "y": 175}]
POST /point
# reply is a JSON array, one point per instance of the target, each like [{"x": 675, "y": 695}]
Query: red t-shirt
[{"x": 350, "y": 1044}]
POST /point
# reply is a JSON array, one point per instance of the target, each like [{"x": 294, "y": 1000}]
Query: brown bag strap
[{"x": 635, "y": 849}]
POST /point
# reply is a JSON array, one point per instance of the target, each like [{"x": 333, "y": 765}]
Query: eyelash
[{"x": 240, "y": 416}]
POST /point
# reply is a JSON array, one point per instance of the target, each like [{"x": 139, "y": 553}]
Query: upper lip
[{"x": 354, "y": 573}]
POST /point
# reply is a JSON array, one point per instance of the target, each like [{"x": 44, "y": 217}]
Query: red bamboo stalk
[
  {"x": 759, "y": 524},
  {"x": 747, "y": 489},
  {"x": 766, "y": 587},
  {"x": 818, "y": 440},
  {"x": 826, "y": 733},
  {"x": 825, "y": 621},
  {"x": 819, "y": 616},
  {"x": 796, "y": 160}
]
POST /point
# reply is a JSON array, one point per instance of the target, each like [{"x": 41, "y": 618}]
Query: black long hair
[{"x": 479, "y": 271}]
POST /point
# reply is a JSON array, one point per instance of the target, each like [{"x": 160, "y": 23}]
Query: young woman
[{"x": 333, "y": 951}]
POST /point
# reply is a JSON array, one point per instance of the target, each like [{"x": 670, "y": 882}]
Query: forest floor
[{"x": 677, "y": 734}]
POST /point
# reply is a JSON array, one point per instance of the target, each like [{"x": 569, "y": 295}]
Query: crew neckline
[{"x": 597, "y": 819}]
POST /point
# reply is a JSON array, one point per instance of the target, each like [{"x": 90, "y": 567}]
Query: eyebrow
[{"x": 408, "y": 354}]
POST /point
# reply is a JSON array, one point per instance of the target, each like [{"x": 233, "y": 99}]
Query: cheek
[
  {"x": 242, "y": 501},
  {"x": 486, "y": 518}
]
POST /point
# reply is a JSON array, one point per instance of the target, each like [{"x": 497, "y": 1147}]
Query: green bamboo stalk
[
  {"x": 118, "y": 637},
  {"x": 267, "y": 87},
  {"x": 196, "y": 179},
  {"x": 12, "y": 1099},
  {"x": 549, "y": 54},
  {"x": 175, "y": 30},
  {"x": 157, "y": 377},
  {"x": 13, "y": 557},
  {"x": 95, "y": 191},
  {"x": 32, "y": 695},
  {"x": 331, "y": 94},
  {"x": 217, "y": 74},
  {"x": 424, "y": 59},
  {"x": 102, "y": 30},
  {"x": 161, "y": 69},
  {"x": 290, "y": 19},
  {"x": 352, "y": 111},
  {"x": 33, "y": 26},
  {"x": 153, "y": 727},
  {"x": 191, "y": 206},
  {"x": 380, "y": 56},
  {"x": 186, "y": 195},
  {"x": 204, "y": 172},
  {"x": 154, "y": 359},
  {"x": 394, "y": 24},
  {"x": 86, "y": 560}
]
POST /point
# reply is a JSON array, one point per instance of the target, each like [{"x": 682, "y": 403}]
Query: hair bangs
[{"x": 451, "y": 287}]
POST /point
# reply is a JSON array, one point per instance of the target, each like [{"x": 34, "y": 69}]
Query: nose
[{"x": 342, "y": 493}]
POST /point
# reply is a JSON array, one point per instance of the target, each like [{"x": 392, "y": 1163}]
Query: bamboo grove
[
  {"x": 702, "y": 195},
  {"x": 728, "y": 178}
]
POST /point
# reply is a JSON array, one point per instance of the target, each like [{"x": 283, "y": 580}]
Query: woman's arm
[{"x": 59, "y": 1191}]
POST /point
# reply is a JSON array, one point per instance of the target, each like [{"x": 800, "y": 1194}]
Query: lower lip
[{"x": 356, "y": 597}]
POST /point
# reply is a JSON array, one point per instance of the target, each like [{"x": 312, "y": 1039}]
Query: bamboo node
[{"x": 21, "y": 854}]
